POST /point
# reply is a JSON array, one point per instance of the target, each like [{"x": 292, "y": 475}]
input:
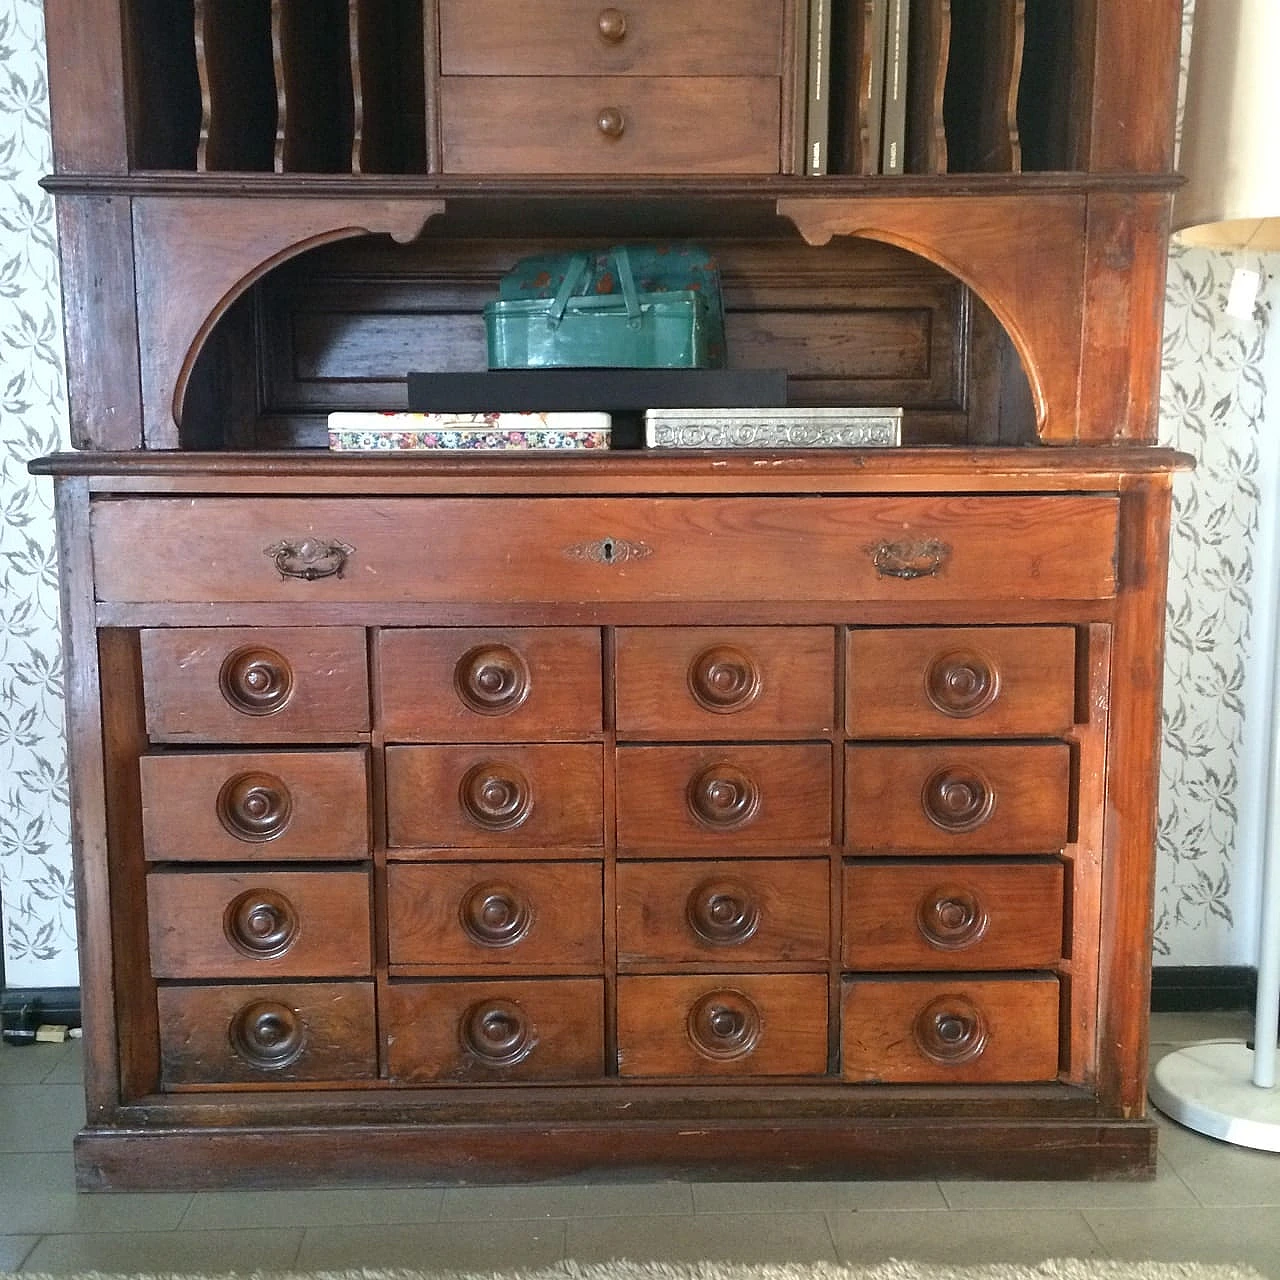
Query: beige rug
[{"x": 1053, "y": 1269}]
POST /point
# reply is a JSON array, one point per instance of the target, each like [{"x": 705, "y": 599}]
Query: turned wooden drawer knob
[
  {"x": 722, "y": 797},
  {"x": 950, "y": 1030},
  {"x": 961, "y": 683},
  {"x": 951, "y": 918},
  {"x": 497, "y": 1032},
  {"x": 612, "y": 25},
  {"x": 261, "y": 923},
  {"x": 254, "y": 806},
  {"x": 724, "y": 1025},
  {"x": 957, "y": 799},
  {"x": 495, "y": 796},
  {"x": 267, "y": 1034},
  {"x": 256, "y": 681},
  {"x": 610, "y": 122},
  {"x": 724, "y": 679},
  {"x": 495, "y": 915},
  {"x": 492, "y": 680},
  {"x": 722, "y": 912}
]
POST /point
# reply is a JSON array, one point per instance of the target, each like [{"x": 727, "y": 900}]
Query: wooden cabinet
[{"x": 513, "y": 816}]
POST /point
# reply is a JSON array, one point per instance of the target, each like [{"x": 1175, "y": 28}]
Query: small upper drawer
[
  {"x": 591, "y": 37},
  {"x": 610, "y": 124},
  {"x": 267, "y": 1033},
  {"x": 733, "y": 1024},
  {"x": 495, "y": 796},
  {"x": 953, "y": 682},
  {"x": 282, "y": 924},
  {"x": 733, "y": 682},
  {"x": 957, "y": 798},
  {"x": 728, "y": 796},
  {"x": 475, "y": 916},
  {"x": 243, "y": 806},
  {"x": 907, "y": 550},
  {"x": 260, "y": 684},
  {"x": 963, "y": 1030},
  {"x": 753, "y": 912},
  {"x": 972, "y": 914},
  {"x": 459, "y": 684}
]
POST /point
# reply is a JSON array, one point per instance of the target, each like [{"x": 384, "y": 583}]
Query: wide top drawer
[{"x": 601, "y": 550}]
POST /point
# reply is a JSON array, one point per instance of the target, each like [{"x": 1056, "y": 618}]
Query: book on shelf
[
  {"x": 818, "y": 118},
  {"x": 373, "y": 432},
  {"x": 764, "y": 428},
  {"x": 874, "y": 37},
  {"x": 607, "y": 390},
  {"x": 893, "y": 143}
]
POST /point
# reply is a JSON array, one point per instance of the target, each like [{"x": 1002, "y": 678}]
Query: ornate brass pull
[
  {"x": 310, "y": 558},
  {"x": 920, "y": 558},
  {"x": 612, "y": 25},
  {"x": 610, "y": 122}
]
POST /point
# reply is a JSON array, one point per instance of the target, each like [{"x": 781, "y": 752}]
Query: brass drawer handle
[
  {"x": 610, "y": 122},
  {"x": 310, "y": 558},
  {"x": 612, "y": 25},
  {"x": 920, "y": 558}
]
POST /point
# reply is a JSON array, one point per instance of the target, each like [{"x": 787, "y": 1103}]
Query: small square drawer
[
  {"x": 461, "y": 684},
  {"x": 970, "y": 914},
  {"x": 653, "y": 38},
  {"x": 723, "y": 1024},
  {"x": 267, "y": 1033},
  {"x": 254, "y": 684},
  {"x": 752, "y": 912},
  {"x": 538, "y": 1029},
  {"x": 734, "y": 682},
  {"x": 959, "y": 682},
  {"x": 495, "y": 795},
  {"x": 957, "y": 798},
  {"x": 244, "y": 806},
  {"x": 281, "y": 924},
  {"x": 478, "y": 915},
  {"x": 729, "y": 796},
  {"x": 965, "y": 1030}
]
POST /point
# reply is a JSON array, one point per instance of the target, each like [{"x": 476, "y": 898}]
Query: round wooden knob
[
  {"x": 495, "y": 796},
  {"x": 723, "y": 796},
  {"x": 951, "y": 1030},
  {"x": 254, "y": 806},
  {"x": 951, "y": 917},
  {"x": 267, "y": 1034},
  {"x": 261, "y": 923},
  {"x": 610, "y": 122},
  {"x": 724, "y": 1025},
  {"x": 497, "y": 1032},
  {"x": 256, "y": 681},
  {"x": 961, "y": 683},
  {"x": 957, "y": 799},
  {"x": 723, "y": 912},
  {"x": 612, "y": 25},
  {"x": 492, "y": 680},
  {"x": 724, "y": 679},
  {"x": 495, "y": 915}
]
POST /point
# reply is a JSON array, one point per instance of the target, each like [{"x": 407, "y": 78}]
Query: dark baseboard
[
  {"x": 57, "y": 1005},
  {"x": 1201, "y": 988}
]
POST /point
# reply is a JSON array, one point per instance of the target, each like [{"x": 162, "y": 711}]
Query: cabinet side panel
[{"x": 86, "y": 85}]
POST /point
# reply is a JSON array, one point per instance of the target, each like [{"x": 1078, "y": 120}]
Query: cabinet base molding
[{"x": 294, "y": 1156}]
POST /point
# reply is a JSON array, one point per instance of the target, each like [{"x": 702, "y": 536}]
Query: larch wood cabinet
[{"x": 486, "y": 817}]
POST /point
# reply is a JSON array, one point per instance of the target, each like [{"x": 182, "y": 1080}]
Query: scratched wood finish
[
  {"x": 254, "y": 684},
  {"x": 255, "y": 926}
]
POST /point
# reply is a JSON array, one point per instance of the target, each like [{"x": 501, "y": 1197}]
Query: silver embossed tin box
[{"x": 816, "y": 428}]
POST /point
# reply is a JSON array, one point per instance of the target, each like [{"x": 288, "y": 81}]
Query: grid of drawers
[{"x": 432, "y": 855}]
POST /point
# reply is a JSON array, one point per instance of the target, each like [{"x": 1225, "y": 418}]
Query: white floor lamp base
[{"x": 1207, "y": 1087}]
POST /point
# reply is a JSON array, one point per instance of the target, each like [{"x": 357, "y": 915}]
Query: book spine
[
  {"x": 875, "y": 38},
  {"x": 894, "y": 140},
  {"x": 800, "y": 87},
  {"x": 818, "y": 125}
]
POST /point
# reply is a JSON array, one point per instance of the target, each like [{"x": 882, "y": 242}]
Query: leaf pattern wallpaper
[{"x": 1214, "y": 390}]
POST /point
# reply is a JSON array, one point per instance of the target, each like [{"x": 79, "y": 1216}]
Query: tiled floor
[{"x": 1209, "y": 1202}]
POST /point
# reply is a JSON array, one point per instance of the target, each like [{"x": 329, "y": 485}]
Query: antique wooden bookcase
[{"x": 807, "y": 830}]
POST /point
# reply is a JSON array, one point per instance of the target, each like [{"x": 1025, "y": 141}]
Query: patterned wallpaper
[{"x": 1215, "y": 385}]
